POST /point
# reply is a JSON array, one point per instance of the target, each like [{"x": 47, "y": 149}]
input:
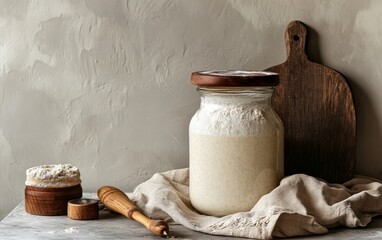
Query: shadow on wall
[
  {"x": 369, "y": 131},
  {"x": 312, "y": 45}
]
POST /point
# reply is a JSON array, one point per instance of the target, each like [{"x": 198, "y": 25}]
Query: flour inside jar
[{"x": 236, "y": 151}]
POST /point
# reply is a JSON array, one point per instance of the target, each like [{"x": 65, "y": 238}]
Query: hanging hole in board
[{"x": 296, "y": 37}]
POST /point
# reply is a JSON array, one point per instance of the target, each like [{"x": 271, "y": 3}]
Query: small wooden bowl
[
  {"x": 83, "y": 209},
  {"x": 50, "y": 201}
]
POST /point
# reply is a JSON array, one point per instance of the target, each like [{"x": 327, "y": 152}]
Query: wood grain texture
[
  {"x": 316, "y": 106},
  {"x": 83, "y": 209},
  {"x": 50, "y": 201},
  {"x": 117, "y": 200},
  {"x": 236, "y": 78}
]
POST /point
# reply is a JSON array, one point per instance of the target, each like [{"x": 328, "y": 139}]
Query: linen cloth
[{"x": 300, "y": 205}]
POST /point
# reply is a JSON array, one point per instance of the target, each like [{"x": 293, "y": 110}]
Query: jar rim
[
  {"x": 236, "y": 91},
  {"x": 234, "y": 78}
]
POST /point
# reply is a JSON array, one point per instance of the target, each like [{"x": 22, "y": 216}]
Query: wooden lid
[{"x": 234, "y": 78}]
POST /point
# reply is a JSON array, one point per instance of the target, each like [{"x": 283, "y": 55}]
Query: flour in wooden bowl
[{"x": 53, "y": 176}]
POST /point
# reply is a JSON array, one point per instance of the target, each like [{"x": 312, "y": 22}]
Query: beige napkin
[{"x": 310, "y": 204}]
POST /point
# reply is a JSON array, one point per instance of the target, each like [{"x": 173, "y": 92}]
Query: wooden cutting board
[{"x": 316, "y": 106}]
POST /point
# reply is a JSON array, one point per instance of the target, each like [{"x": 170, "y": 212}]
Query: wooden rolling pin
[{"x": 116, "y": 200}]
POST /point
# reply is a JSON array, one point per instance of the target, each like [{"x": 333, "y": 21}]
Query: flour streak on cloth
[{"x": 311, "y": 204}]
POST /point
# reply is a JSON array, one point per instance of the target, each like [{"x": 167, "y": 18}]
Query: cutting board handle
[{"x": 295, "y": 39}]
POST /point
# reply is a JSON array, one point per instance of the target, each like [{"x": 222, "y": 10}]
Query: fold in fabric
[{"x": 312, "y": 205}]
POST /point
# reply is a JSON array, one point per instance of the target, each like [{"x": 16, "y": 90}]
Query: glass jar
[{"x": 236, "y": 141}]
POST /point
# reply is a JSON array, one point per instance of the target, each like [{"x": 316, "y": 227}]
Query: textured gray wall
[{"x": 104, "y": 85}]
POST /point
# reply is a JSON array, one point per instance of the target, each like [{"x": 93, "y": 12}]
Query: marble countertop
[{"x": 21, "y": 225}]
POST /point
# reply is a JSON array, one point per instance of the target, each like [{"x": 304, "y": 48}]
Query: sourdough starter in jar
[{"x": 236, "y": 142}]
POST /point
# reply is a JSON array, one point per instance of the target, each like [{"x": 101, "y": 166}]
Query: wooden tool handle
[
  {"x": 116, "y": 200},
  {"x": 295, "y": 39}
]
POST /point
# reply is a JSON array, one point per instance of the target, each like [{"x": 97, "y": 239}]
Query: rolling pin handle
[{"x": 117, "y": 200}]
